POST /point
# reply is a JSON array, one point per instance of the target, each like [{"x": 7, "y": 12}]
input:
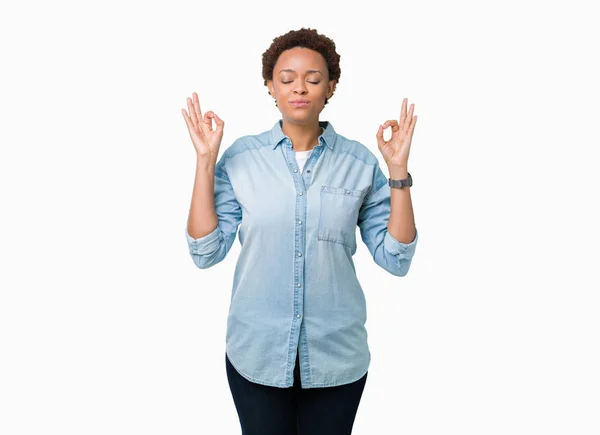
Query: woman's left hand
[{"x": 395, "y": 151}]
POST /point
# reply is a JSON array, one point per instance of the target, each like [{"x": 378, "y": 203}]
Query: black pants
[{"x": 266, "y": 410}]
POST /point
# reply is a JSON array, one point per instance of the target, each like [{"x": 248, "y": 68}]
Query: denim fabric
[{"x": 295, "y": 287}]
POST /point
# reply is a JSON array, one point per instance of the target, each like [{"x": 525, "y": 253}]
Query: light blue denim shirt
[{"x": 295, "y": 287}]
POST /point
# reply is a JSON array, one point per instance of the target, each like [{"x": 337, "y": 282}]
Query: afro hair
[{"x": 305, "y": 37}]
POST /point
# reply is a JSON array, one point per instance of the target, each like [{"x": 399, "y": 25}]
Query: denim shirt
[{"x": 295, "y": 287}]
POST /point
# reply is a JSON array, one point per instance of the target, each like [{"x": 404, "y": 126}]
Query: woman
[{"x": 296, "y": 346}]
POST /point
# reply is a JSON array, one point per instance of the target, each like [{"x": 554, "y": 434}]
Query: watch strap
[{"x": 401, "y": 183}]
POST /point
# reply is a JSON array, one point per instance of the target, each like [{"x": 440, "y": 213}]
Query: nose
[{"x": 301, "y": 89}]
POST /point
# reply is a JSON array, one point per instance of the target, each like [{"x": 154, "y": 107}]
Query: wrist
[
  {"x": 398, "y": 172},
  {"x": 205, "y": 164}
]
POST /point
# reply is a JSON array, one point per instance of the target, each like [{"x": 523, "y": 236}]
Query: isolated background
[{"x": 107, "y": 326}]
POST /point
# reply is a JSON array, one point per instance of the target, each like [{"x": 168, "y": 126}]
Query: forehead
[{"x": 300, "y": 59}]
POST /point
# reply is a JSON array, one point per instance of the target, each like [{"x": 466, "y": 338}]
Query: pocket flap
[{"x": 342, "y": 191}]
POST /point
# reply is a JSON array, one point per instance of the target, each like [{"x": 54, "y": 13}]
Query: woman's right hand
[{"x": 206, "y": 140}]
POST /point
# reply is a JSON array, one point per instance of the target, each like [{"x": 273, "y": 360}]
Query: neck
[{"x": 304, "y": 137}]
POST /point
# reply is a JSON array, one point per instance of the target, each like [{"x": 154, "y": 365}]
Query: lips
[{"x": 299, "y": 103}]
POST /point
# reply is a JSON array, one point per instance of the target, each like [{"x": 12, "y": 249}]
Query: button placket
[{"x": 300, "y": 233}]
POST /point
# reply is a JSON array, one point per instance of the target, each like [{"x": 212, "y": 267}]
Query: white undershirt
[{"x": 302, "y": 157}]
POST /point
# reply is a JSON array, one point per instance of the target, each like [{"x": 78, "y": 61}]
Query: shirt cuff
[
  {"x": 204, "y": 245},
  {"x": 395, "y": 247}
]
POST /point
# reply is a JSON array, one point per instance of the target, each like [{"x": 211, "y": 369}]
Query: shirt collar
[{"x": 327, "y": 137}]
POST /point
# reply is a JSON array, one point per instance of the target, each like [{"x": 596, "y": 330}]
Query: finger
[
  {"x": 187, "y": 119},
  {"x": 412, "y": 126},
  {"x": 208, "y": 120},
  {"x": 219, "y": 122},
  {"x": 197, "y": 106},
  {"x": 192, "y": 112},
  {"x": 409, "y": 118},
  {"x": 393, "y": 123},
  {"x": 403, "y": 113}
]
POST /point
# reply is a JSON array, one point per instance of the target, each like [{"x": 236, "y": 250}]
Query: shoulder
[
  {"x": 356, "y": 148},
  {"x": 249, "y": 142}
]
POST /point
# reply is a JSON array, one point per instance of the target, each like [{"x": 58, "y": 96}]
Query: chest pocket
[{"x": 338, "y": 216}]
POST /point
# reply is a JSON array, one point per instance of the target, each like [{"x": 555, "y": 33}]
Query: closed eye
[{"x": 314, "y": 83}]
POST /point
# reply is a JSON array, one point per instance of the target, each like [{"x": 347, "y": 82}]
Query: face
[{"x": 301, "y": 74}]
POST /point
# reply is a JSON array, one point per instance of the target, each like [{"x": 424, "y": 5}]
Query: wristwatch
[{"x": 401, "y": 183}]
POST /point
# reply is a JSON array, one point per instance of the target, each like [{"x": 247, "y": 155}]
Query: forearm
[
  {"x": 202, "y": 219},
  {"x": 401, "y": 224}
]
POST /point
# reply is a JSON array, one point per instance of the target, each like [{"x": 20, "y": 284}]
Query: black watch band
[{"x": 399, "y": 184}]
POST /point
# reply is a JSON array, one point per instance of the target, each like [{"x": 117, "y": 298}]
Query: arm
[
  {"x": 215, "y": 215},
  {"x": 202, "y": 218},
  {"x": 377, "y": 225},
  {"x": 402, "y": 220}
]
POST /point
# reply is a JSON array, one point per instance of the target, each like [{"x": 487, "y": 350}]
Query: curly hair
[{"x": 305, "y": 37}]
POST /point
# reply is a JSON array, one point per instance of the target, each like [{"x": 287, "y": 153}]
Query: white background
[{"x": 107, "y": 326}]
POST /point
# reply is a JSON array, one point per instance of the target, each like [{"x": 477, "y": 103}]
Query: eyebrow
[{"x": 310, "y": 71}]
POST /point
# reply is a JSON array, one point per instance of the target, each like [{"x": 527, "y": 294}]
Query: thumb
[
  {"x": 379, "y": 136},
  {"x": 219, "y": 122}
]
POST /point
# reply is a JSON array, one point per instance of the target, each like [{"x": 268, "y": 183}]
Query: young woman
[{"x": 296, "y": 348}]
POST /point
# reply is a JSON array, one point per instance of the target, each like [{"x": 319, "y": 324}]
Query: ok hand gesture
[
  {"x": 395, "y": 151},
  {"x": 206, "y": 140}
]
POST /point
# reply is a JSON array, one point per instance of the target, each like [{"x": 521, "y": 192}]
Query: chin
[{"x": 301, "y": 115}]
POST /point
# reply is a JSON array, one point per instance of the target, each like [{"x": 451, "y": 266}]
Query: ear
[
  {"x": 271, "y": 88},
  {"x": 331, "y": 88}
]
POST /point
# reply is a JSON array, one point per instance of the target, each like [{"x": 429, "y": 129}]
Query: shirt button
[
  {"x": 299, "y": 254},
  {"x": 298, "y": 285},
  {"x": 308, "y": 170},
  {"x": 295, "y": 170},
  {"x": 299, "y": 222},
  {"x": 347, "y": 192},
  {"x": 301, "y": 194},
  {"x": 298, "y": 316}
]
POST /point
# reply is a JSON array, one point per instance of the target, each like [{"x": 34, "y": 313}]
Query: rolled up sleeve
[
  {"x": 204, "y": 245},
  {"x": 387, "y": 252}
]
